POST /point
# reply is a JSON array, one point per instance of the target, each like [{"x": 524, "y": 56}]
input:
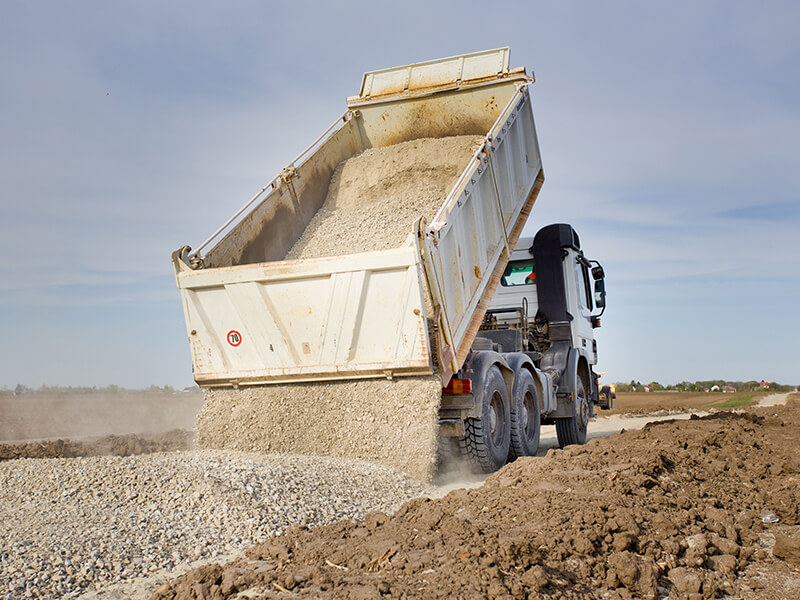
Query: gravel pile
[
  {"x": 70, "y": 526},
  {"x": 375, "y": 197}
]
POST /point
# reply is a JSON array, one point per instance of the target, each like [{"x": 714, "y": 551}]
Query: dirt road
[
  {"x": 604, "y": 426},
  {"x": 774, "y": 400}
]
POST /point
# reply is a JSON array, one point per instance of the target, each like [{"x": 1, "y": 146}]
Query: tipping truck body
[{"x": 256, "y": 319}]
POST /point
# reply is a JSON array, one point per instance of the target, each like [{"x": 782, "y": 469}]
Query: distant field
[
  {"x": 35, "y": 416},
  {"x": 648, "y": 402}
]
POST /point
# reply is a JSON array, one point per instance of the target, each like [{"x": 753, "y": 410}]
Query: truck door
[{"x": 580, "y": 304}]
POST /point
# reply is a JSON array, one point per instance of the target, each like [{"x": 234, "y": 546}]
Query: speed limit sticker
[{"x": 234, "y": 338}]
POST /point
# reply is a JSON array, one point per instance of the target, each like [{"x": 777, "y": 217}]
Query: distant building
[
  {"x": 728, "y": 389},
  {"x": 764, "y": 385},
  {"x": 714, "y": 388}
]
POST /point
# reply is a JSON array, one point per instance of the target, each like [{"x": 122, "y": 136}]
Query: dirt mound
[
  {"x": 391, "y": 422},
  {"x": 375, "y": 197},
  {"x": 681, "y": 509},
  {"x": 109, "y": 445}
]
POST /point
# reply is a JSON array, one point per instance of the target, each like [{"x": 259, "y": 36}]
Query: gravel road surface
[{"x": 71, "y": 526}]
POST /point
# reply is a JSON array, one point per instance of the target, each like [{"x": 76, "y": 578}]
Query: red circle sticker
[{"x": 234, "y": 337}]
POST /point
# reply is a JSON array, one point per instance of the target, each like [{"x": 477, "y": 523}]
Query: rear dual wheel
[
  {"x": 487, "y": 440},
  {"x": 500, "y": 435},
  {"x": 526, "y": 418}
]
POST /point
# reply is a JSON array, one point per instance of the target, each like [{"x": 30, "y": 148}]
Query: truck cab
[
  {"x": 538, "y": 332},
  {"x": 573, "y": 272}
]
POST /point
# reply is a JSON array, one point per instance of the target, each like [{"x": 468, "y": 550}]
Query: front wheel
[
  {"x": 572, "y": 429},
  {"x": 487, "y": 440}
]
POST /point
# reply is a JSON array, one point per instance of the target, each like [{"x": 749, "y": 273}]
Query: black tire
[
  {"x": 487, "y": 440},
  {"x": 572, "y": 430},
  {"x": 605, "y": 397},
  {"x": 526, "y": 418}
]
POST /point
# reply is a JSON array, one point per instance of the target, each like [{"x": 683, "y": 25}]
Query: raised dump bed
[{"x": 254, "y": 317}]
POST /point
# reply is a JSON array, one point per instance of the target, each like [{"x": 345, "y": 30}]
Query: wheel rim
[
  {"x": 582, "y": 407},
  {"x": 528, "y": 413},
  {"x": 496, "y": 418}
]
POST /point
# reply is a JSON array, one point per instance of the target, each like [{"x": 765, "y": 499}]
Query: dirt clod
[{"x": 787, "y": 548}]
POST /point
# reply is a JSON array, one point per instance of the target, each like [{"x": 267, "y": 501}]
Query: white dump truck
[
  {"x": 533, "y": 357},
  {"x": 421, "y": 309}
]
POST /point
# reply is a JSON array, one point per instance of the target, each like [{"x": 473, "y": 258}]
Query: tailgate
[{"x": 340, "y": 317}]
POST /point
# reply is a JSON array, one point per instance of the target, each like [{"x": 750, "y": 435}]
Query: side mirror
[
  {"x": 599, "y": 290},
  {"x": 598, "y": 273}
]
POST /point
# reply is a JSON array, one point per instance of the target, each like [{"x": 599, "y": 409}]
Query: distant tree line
[
  {"x": 711, "y": 385},
  {"x": 67, "y": 390}
]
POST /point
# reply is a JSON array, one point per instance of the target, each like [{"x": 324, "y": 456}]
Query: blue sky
[{"x": 668, "y": 132}]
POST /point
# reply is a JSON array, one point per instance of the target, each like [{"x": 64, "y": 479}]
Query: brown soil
[
  {"x": 671, "y": 511},
  {"x": 109, "y": 445},
  {"x": 376, "y": 196},
  {"x": 642, "y": 403},
  {"x": 392, "y": 422}
]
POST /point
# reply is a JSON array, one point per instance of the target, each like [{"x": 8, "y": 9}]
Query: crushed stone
[
  {"x": 373, "y": 200},
  {"x": 375, "y": 197},
  {"x": 75, "y": 526}
]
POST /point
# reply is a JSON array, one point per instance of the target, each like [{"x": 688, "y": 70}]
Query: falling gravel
[
  {"x": 390, "y": 421},
  {"x": 71, "y": 526}
]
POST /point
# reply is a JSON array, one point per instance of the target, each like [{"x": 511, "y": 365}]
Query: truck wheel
[
  {"x": 487, "y": 440},
  {"x": 572, "y": 430},
  {"x": 526, "y": 418},
  {"x": 605, "y": 397}
]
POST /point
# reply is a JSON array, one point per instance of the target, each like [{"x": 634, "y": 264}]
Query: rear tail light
[{"x": 458, "y": 386}]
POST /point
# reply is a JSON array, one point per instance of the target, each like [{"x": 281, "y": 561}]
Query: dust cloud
[{"x": 42, "y": 425}]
